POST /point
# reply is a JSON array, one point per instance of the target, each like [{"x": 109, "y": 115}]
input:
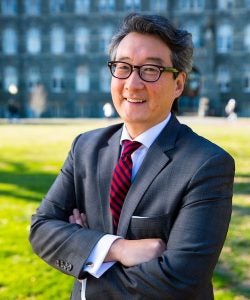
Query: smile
[{"x": 135, "y": 100}]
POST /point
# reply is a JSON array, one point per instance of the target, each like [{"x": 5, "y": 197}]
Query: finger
[
  {"x": 76, "y": 212},
  {"x": 77, "y": 216}
]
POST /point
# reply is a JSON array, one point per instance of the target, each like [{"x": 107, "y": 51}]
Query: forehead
[{"x": 143, "y": 47}]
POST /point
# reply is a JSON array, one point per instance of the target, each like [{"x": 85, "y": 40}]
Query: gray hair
[{"x": 179, "y": 41}]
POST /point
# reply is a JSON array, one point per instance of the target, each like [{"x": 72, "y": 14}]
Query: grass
[{"x": 31, "y": 156}]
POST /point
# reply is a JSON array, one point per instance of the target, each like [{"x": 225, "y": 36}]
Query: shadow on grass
[
  {"x": 241, "y": 210},
  {"x": 30, "y": 186},
  {"x": 226, "y": 279},
  {"x": 242, "y": 188}
]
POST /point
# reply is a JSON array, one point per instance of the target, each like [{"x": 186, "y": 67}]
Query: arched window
[
  {"x": 194, "y": 29},
  {"x": 105, "y": 38},
  {"x": 223, "y": 79},
  {"x": 247, "y": 38},
  {"x": 224, "y": 38},
  {"x": 82, "y": 6},
  {"x": 82, "y": 79},
  {"x": 33, "y": 7},
  {"x": 158, "y": 5},
  {"x": 57, "y": 40},
  {"x": 106, "y": 6},
  {"x": 10, "y": 78},
  {"x": 33, "y": 41},
  {"x": 9, "y": 41},
  {"x": 105, "y": 79},
  {"x": 33, "y": 78},
  {"x": 58, "y": 80},
  {"x": 57, "y": 6},
  {"x": 246, "y": 79},
  {"x": 9, "y": 7},
  {"x": 132, "y": 5},
  {"x": 81, "y": 40}
]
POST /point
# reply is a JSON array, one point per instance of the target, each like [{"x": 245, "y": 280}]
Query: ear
[{"x": 180, "y": 84}]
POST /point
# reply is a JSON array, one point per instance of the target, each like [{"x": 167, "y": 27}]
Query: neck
[{"x": 134, "y": 131}]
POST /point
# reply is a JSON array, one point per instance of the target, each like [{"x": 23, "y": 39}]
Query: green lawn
[{"x": 31, "y": 156}]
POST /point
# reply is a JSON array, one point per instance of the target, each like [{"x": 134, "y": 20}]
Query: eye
[
  {"x": 122, "y": 67},
  {"x": 149, "y": 69}
]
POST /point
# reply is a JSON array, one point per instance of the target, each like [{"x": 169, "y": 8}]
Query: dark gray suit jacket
[{"x": 183, "y": 191}]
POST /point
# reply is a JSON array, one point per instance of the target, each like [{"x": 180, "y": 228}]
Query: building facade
[{"x": 53, "y": 53}]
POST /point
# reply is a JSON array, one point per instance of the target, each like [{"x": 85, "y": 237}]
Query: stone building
[{"x": 53, "y": 53}]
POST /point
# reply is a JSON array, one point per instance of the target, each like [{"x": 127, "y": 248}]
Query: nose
[{"x": 134, "y": 81}]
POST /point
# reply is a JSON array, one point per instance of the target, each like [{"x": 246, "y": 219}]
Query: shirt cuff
[{"x": 94, "y": 264}]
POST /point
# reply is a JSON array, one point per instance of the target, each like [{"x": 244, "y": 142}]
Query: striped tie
[{"x": 121, "y": 179}]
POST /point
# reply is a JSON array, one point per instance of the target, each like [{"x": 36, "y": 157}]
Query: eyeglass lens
[{"x": 123, "y": 70}]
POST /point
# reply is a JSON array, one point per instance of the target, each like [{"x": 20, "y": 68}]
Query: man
[{"x": 166, "y": 240}]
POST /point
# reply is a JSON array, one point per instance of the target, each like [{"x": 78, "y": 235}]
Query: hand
[
  {"x": 78, "y": 218},
  {"x": 133, "y": 252}
]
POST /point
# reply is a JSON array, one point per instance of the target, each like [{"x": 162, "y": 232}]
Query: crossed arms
[{"x": 128, "y": 252}]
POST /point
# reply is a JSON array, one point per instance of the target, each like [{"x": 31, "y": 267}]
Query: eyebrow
[{"x": 155, "y": 60}]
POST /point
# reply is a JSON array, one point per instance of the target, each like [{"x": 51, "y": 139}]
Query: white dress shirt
[{"x": 95, "y": 265}]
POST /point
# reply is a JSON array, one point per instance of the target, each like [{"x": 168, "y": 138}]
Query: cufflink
[{"x": 89, "y": 264}]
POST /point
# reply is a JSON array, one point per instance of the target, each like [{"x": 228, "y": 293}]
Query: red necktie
[{"x": 121, "y": 179}]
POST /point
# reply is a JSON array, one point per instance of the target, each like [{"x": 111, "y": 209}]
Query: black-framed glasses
[{"x": 147, "y": 72}]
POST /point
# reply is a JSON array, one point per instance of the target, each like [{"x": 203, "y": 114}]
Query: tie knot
[{"x": 129, "y": 147}]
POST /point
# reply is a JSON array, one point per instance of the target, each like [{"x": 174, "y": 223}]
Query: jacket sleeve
[
  {"x": 194, "y": 245},
  {"x": 63, "y": 245}
]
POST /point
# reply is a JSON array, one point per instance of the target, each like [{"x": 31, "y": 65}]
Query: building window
[
  {"x": 105, "y": 38},
  {"x": 82, "y": 6},
  {"x": 192, "y": 5},
  {"x": 247, "y": 3},
  {"x": 105, "y": 80},
  {"x": 10, "y": 78},
  {"x": 226, "y": 4},
  {"x": 57, "y": 6},
  {"x": 82, "y": 79},
  {"x": 223, "y": 79},
  {"x": 247, "y": 38},
  {"x": 33, "y": 7},
  {"x": 198, "y": 4},
  {"x": 132, "y": 5},
  {"x": 158, "y": 5},
  {"x": 81, "y": 40},
  {"x": 106, "y": 6},
  {"x": 9, "y": 7},
  {"x": 33, "y": 41},
  {"x": 9, "y": 41},
  {"x": 224, "y": 39},
  {"x": 246, "y": 79},
  {"x": 194, "y": 29},
  {"x": 184, "y": 4},
  {"x": 33, "y": 78},
  {"x": 57, "y": 80},
  {"x": 57, "y": 41}
]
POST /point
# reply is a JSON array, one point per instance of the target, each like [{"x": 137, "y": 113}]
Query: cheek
[{"x": 116, "y": 88}]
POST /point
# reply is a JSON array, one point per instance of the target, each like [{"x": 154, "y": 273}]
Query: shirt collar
[{"x": 147, "y": 137}]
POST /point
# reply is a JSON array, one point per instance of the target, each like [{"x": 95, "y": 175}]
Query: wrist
[{"x": 115, "y": 251}]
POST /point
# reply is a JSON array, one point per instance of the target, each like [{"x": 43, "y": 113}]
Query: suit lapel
[
  {"x": 107, "y": 159},
  {"x": 155, "y": 160}
]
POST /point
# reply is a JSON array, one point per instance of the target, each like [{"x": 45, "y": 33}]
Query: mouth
[{"x": 134, "y": 100}]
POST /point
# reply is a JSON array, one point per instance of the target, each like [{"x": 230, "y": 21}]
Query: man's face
[{"x": 142, "y": 104}]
